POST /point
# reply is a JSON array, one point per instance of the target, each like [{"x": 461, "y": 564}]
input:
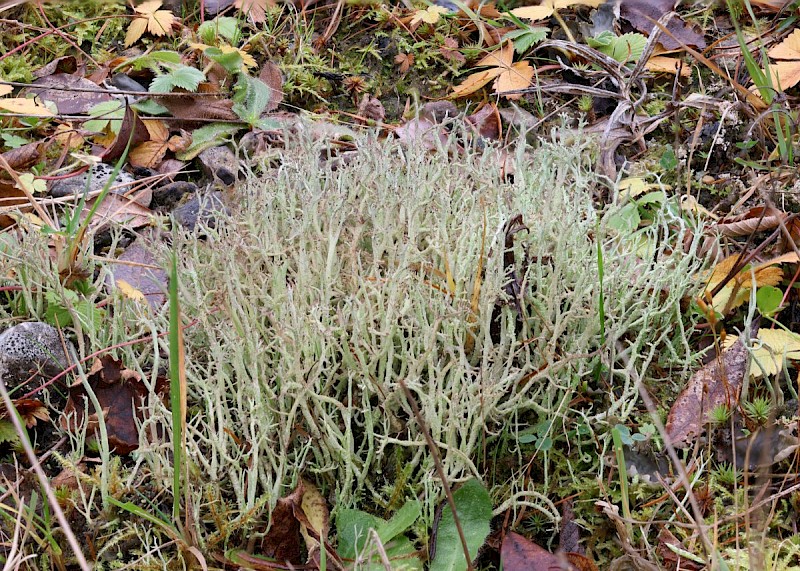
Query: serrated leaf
[
  {"x": 251, "y": 97},
  {"x": 182, "y": 76},
  {"x": 524, "y": 39},
  {"x": 429, "y": 15},
  {"x": 507, "y": 76},
  {"x": 474, "y": 507},
  {"x": 737, "y": 291},
  {"x": 151, "y": 19},
  {"x": 624, "y": 48}
]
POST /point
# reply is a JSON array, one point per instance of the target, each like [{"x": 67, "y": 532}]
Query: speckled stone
[{"x": 29, "y": 350}]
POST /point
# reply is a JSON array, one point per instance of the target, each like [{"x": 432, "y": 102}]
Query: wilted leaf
[
  {"x": 120, "y": 392},
  {"x": 642, "y": 14},
  {"x": 5, "y": 89},
  {"x": 664, "y": 64},
  {"x": 737, "y": 290},
  {"x": 151, "y": 19},
  {"x": 786, "y": 73},
  {"x": 521, "y": 554},
  {"x": 717, "y": 383},
  {"x": 256, "y": 10}
]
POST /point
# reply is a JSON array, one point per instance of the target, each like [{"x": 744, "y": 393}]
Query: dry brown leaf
[
  {"x": 404, "y": 62},
  {"x": 717, "y": 383},
  {"x": 785, "y": 73},
  {"x": 256, "y": 10},
  {"x": 149, "y": 19},
  {"x": 737, "y": 290}
]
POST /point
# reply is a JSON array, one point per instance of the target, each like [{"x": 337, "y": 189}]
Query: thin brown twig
[{"x": 437, "y": 460}]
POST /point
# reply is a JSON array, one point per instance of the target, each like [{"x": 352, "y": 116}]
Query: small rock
[
  {"x": 170, "y": 194},
  {"x": 31, "y": 351},
  {"x": 100, "y": 173},
  {"x": 220, "y": 164},
  {"x": 200, "y": 208}
]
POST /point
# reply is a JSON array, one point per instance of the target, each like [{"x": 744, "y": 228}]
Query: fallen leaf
[
  {"x": 643, "y": 14},
  {"x": 117, "y": 209},
  {"x": 5, "y": 89},
  {"x": 25, "y": 106},
  {"x": 404, "y": 62},
  {"x": 786, "y": 72},
  {"x": 546, "y": 8},
  {"x": 150, "y": 19},
  {"x": 429, "y": 15},
  {"x": 508, "y": 76},
  {"x": 664, "y": 64},
  {"x": 70, "y": 93},
  {"x": 120, "y": 393},
  {"x": 717, "y": 383},
  {"x": 256, "y": 10},
  {"x": 736, "y": 291},
  {"x": 521, "y": 554},
  {"x": 271, "y": 75},
  {"x": 150, "y": 153},
  {"x": 769, "y": 351}
]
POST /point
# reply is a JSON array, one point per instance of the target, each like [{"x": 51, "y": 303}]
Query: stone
[
  {"x": 100, "y": 173},
  {"x": 32, "y": 352},
  {"x": 200, "y": 207}
]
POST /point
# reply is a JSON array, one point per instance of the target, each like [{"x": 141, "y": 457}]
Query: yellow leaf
[
  {"x": 737, "y": 290},
  {"x": 500, "y": 58},
  {"x": 5, "y": 89},
  {"x": 534, "y": 12},
  {"x": 157, "y": 22},
  {"x": 769, "y": 351},
  {"x": 785, "y": 74},
  {"x": 68, "y": 136},
  {"x": 788, "y": 48},
  {"x": 475, "y": 81},
  {"x": 518, "y": 77},
  {"x": 148, "y": 154},
  {"x": 430, "y": 15},
  {"x": 25, "y": 106},
  {"x": 129, "y": 291},
  {"x": 247, "y": 59},
  {"x": 664, "y": 64},
  {"x": 135, "y": 31},
  {"x": 633, "y": 186},
  {"x": 546, "y": 8}
]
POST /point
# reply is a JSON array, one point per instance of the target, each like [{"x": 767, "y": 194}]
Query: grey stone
[
  {"x": 200, "y": 208},
  {"x": 31, "y": 351},
  {"x": 98, "y": 177},
  {"x": 220, "y": 164}
]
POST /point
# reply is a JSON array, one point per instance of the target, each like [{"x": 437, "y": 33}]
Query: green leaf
[
  {"x": 224, "y": 26},
  {"x": 108, "y": 113},
  {"x": 8, "y": 433},
  {"x": 89, "y": 316},
  {"x": 13, "y": 141},
  {"x": 182, "y": 76},
  {"x": 400, "y": 522},
  {"x": 624, "y": 48},
  {"x": 352, "y": 529},
  {"x": 231, "y": 61},
  {"x": 525, "y": 38},
  {"x": 151, "y": 60},
  {"x": 474, "y": 509},
  {"x": 768, "y": 300},
  {"x": 207, "y": 136},
  {"x": 150, "y": 107},
  {"x": 251, "y": 97},
  {"x": 626, "y": 219}
]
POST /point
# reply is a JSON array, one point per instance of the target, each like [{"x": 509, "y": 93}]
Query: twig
[{"x": 437, "y": 460}]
